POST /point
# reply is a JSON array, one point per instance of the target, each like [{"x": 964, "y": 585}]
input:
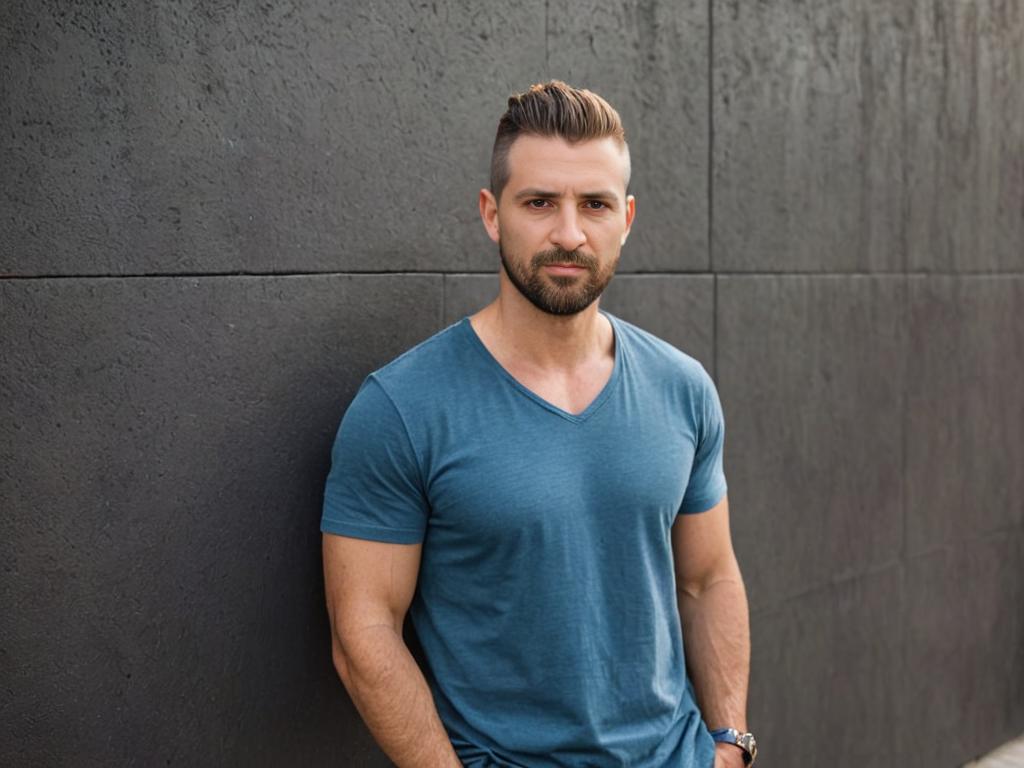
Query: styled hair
[{"x": 553, "y": 109}]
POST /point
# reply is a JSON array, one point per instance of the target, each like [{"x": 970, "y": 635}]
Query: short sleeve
[
  {"x": 374, "y": 490},
  {"x": 707, "y": 485}
]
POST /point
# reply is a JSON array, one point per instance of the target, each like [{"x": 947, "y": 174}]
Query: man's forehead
[{"x": 536, "y": 161}]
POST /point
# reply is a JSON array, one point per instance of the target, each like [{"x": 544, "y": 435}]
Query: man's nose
[{"x": 568, "y": 232}]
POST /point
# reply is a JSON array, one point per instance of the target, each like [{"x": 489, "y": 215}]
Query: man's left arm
[{"x": 715, "y": 622}]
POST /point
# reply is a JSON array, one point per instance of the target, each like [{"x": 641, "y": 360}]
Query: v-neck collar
[{"x": 577, "y": 418}]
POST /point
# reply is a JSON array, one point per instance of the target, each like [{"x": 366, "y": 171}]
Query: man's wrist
[
  {"x": 733, "y": 755},
  {"x": 742, "y": 743}
]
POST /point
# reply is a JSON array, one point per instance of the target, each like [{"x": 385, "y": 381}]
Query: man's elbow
[
  {"x": 724, "y": 571},
  {"x": 365, "y": 656},
  {"x": 341, "y": 663}
]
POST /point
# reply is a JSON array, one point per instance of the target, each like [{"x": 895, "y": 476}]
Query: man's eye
[
  {"x": 538, "y": 203},
  {"x": 595, "y": 205}
]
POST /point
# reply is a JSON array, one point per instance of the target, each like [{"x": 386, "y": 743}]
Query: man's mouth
[{"x": 565, "y": 269}]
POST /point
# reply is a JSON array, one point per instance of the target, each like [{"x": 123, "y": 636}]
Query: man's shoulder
[
  {"x": 425, "y": 366},
  {"x": 659, "y": 357}
]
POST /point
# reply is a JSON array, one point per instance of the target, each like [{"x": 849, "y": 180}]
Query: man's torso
[{"x": 546, "y": 597}]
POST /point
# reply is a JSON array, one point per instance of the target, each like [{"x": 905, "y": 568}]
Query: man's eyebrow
[
  {"x": 603, "y": 194},
  {"x": 535, "y": 193}
]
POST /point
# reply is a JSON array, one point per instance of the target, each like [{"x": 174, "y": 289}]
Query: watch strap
[{"x": 744, "y": 741}]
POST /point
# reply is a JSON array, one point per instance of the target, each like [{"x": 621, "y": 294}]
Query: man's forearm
[
  {"x": 716, "y": 632},
  {"x": 391, "y": 694}
]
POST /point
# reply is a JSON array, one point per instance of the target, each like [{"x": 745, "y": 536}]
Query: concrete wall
[{"x": 216, "y": 218}]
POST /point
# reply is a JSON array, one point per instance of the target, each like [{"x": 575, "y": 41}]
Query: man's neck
[{"x": 520, "y": 333}]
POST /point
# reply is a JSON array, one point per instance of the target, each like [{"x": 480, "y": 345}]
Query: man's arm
[
  {"x": 715, "y": 622},
  {"x": 369, "y": 586}
]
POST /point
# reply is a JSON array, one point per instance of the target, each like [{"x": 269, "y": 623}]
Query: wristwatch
[{"x": 744, "y": 741}]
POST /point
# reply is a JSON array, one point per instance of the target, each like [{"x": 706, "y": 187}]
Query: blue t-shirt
[{"x": 546, "y": 603}]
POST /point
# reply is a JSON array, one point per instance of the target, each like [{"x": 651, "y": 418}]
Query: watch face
[{"x": 747, "y": 741}]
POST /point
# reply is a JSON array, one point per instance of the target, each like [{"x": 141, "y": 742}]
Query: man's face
[{"x": 562, "y": 220}]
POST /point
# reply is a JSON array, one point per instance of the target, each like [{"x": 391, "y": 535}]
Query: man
[{"x": 541, "y": 486}]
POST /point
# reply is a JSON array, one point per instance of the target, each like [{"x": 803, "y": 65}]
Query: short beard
[{"x": 558, "y": 294}]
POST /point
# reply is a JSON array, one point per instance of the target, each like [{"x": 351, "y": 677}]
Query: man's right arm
[{"x": 369, "y": 586}]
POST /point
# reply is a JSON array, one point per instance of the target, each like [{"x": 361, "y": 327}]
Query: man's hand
[{"x": 728, "y": 756}]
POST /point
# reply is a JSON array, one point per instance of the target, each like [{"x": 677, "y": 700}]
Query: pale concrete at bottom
[{"x": 1007, "y": 756}]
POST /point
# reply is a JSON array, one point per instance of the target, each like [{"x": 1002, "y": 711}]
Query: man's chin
[
  {"x": 564, "y": 305},
  {"x": 566, "y": 282}
]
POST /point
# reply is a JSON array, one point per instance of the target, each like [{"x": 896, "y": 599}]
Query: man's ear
[
  {"x": 489, "y": 213},
  {"x": 630, "y": 215}
]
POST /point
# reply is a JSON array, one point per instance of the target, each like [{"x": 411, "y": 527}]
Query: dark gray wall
[{"x": 216, "y": 218}]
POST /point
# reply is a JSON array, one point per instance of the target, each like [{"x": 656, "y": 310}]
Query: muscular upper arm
[
  {"x": 702, "y": 548},
  {"x": 367, "y": 583}
]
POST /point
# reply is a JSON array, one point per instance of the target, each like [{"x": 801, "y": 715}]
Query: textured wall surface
[{"x": 217, "y": 218}]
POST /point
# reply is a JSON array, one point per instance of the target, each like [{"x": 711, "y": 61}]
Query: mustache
[{"x": 562, "y": 256}]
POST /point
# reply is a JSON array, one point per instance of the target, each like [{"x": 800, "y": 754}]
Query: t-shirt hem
[
  {"x": 702, "y": 503},
  {"x": 372, "y": 532}
]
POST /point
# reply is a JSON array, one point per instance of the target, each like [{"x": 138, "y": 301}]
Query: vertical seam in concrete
[
  {"x": 902, "y": 675},
  {"x": 444, "y": 299},
  {"x": 901, "y": 630},
  {"x": 714, "y": 328},
  {"x": 710, "y": 190},
  {"x": 711, "y": 131},
  {"x": 904, "y": 173},
  {"x": 904, "y": 415},
  {"x": 547, "y": 41}
]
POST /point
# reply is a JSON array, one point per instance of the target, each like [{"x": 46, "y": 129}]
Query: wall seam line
[
  {"x": 711, "y": 134},
  {"x": 1012, "y": 274},
  {"x": 547, "y": 38},
  {"x": 714, "y": 328},
  {"x": 710, "y": 192},
  {"x": 444, "y": 299}
]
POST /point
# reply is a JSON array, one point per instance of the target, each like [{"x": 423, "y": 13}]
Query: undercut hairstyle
[{"x": 554, "y": 109}]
